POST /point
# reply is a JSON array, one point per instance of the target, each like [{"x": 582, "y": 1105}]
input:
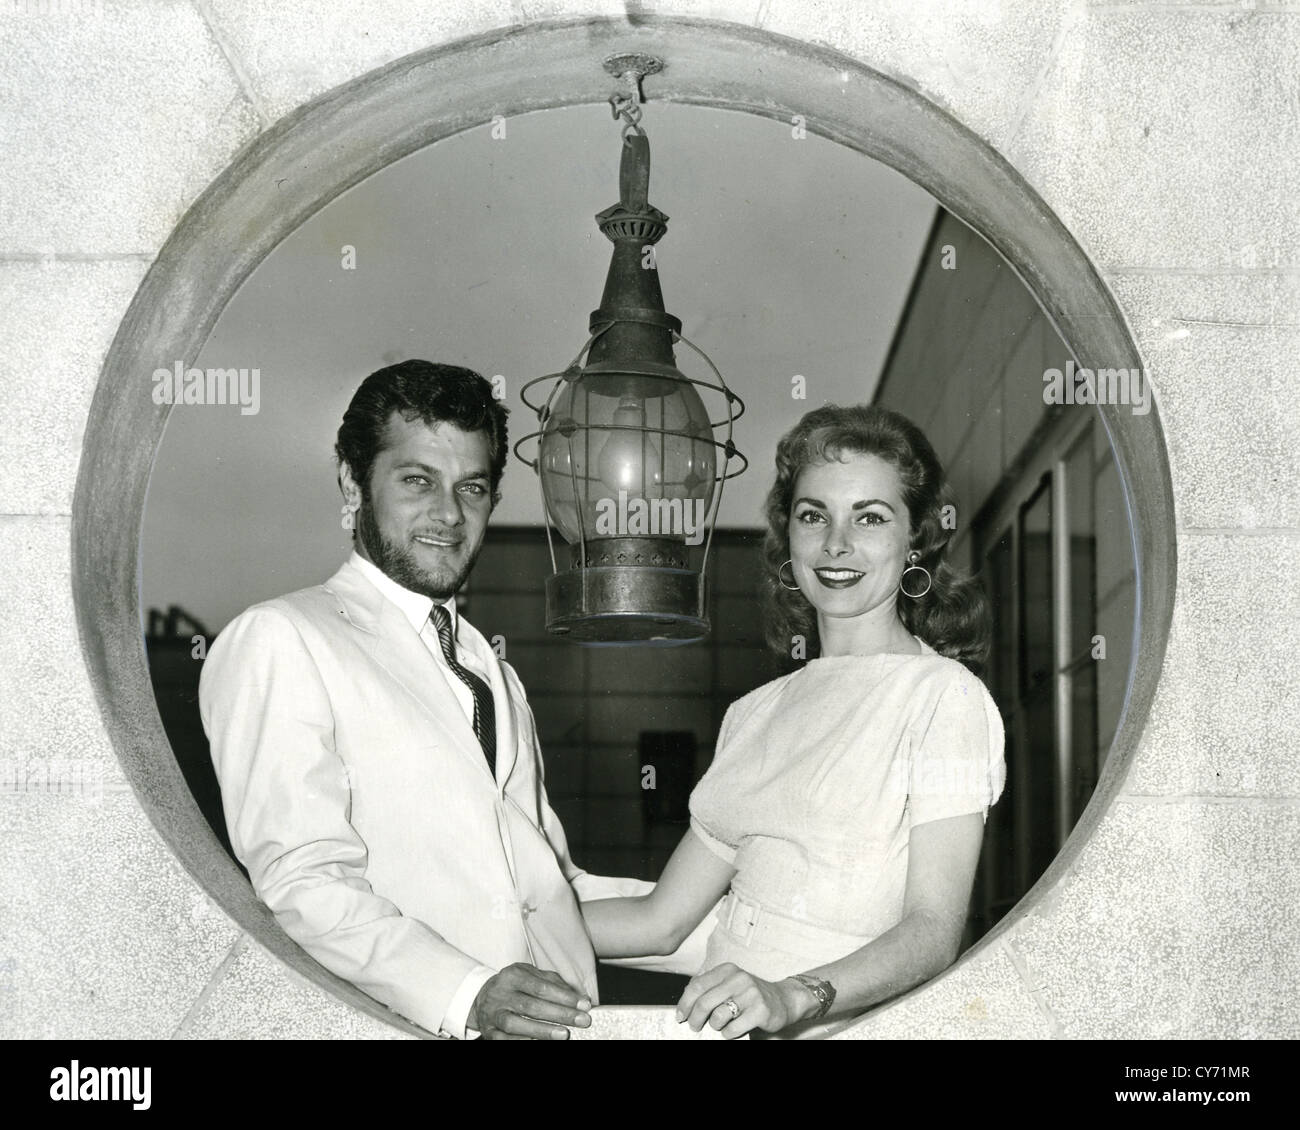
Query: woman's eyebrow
[{"x": 856, "y": 506}]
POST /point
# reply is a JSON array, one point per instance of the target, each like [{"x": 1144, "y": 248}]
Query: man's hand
[{"x": 523, "y": 1002}]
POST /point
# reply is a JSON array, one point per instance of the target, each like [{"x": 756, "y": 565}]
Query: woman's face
[{"x": 849, "y": 534}]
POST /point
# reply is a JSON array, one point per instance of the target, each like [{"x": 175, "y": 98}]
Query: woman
[{"x": 846, "y": 802}]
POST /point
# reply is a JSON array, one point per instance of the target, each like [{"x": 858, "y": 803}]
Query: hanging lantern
[{"x": 630, "y": 464}]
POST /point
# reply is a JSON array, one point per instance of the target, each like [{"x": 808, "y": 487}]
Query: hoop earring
[
  {"x": 781, "y": 577},
  {"x": 349, "y": 520},
  {"x": 913, "y": 567}
]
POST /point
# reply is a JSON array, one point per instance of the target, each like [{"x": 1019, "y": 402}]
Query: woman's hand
[{"x": 734, "y": 1002}]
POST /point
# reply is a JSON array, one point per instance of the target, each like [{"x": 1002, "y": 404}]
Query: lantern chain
[
  {"x": 625, "y": 106},
  {"x": 631, "y": 68}
]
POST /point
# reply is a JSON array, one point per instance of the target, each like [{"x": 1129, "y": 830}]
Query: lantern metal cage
[{"x": 629, "y": 463}]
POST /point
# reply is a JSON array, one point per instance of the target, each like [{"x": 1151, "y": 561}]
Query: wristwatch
[{"x": 824, "y": 991}]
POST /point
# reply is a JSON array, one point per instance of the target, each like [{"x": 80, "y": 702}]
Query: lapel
[{"x": 396, "y": 647}]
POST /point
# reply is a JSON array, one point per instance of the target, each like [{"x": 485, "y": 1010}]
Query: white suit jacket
[{"x": 358, "y": 798}]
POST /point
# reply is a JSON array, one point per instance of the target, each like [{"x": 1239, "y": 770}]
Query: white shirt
[{"x": 417, "y": 609}]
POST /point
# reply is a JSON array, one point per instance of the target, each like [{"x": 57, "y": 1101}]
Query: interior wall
[{"x": 967, "y": 366}]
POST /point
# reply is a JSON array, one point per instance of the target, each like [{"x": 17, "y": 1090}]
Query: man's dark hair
[{"x": 420, "y": 390}]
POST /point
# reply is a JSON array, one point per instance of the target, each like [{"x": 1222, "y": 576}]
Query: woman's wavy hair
[{"x": 953, "y": 617}]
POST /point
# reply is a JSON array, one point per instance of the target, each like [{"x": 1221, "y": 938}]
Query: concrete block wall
[{"x": 1165, "y": 136}]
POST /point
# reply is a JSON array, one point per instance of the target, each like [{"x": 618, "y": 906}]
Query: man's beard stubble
[{"x": 398, "y": 561}]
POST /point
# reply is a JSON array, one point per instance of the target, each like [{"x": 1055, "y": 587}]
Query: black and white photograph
[{"x": 651, "y": 521}]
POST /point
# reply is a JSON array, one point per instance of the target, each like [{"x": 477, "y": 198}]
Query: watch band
[{"x": 824, "y": 991}]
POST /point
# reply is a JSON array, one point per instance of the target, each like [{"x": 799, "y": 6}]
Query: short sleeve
[
  {"x": 706, "y": 799},
  {"x": 722, "y": 850},
  {"x": 957, "y": 765}
]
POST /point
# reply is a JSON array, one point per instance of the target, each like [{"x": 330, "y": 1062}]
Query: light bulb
[{"x": 630, "y": 460}]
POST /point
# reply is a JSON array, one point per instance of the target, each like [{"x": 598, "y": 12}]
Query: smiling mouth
[
  {"x": 838, "y": 578},
  {"x": 441, "y": 543}
]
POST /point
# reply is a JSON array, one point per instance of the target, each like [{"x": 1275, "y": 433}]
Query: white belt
[{"x": 752, "y": 924}]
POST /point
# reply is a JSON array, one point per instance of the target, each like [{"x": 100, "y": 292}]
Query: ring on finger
[{"x": 731, "y": 1006}]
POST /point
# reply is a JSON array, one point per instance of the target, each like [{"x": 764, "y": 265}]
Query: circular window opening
[{"x": 849, "y": 283}]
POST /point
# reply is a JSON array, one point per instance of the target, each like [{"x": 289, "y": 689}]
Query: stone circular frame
[{"x": 312, "y": 155}]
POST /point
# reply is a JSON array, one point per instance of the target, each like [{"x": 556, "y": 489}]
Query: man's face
[{"x": 425, "y": 511}]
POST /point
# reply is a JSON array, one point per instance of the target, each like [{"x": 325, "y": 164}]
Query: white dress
[{"x": 817, "y": 781}]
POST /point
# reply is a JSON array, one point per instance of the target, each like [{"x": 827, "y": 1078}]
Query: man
[{"x": 378, "y": 764}]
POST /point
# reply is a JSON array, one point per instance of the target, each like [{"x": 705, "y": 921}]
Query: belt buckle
[{"x": 742, "y": 919}]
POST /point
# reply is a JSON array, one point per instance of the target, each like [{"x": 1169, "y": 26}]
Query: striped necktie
[{"x": 485, "y": 722}]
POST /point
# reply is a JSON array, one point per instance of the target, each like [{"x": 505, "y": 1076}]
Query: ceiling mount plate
[
  {"x": 634, "y": 63},
  {"x": 633, "y": 67}
]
